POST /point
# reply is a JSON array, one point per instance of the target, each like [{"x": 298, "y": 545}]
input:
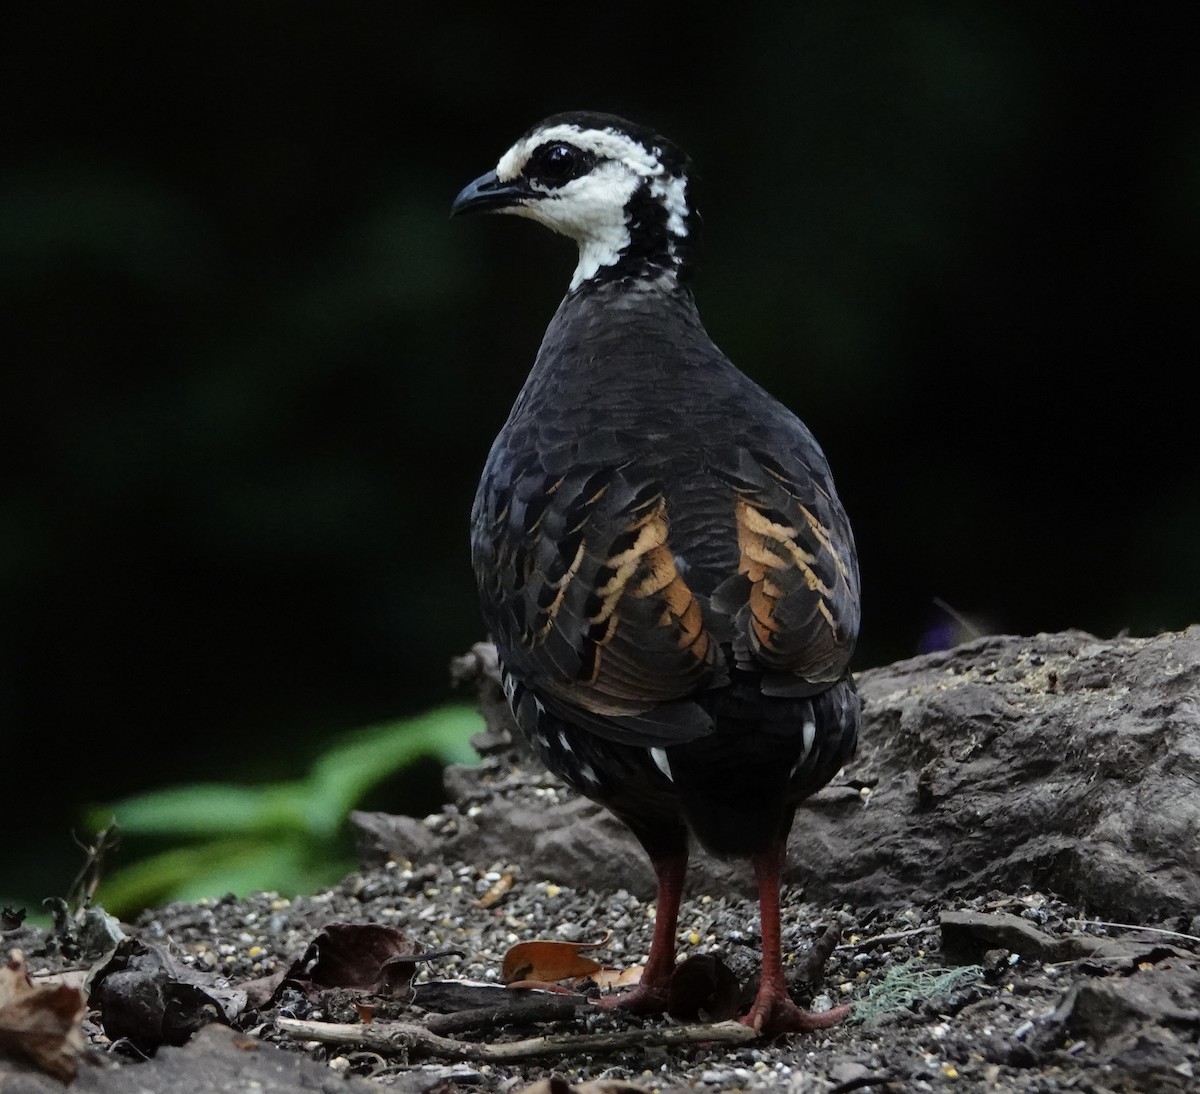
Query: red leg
[
  {"x": 773, "y": 1010},
  {"x": 650, "y": 995}
]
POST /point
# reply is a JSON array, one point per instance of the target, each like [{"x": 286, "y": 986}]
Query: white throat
[{"x": 591, "y": 209}]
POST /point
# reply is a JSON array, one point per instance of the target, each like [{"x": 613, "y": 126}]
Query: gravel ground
[
  {"x": 964, "y": 988},
  {"x": 1001, "y": 1026},
  {"x": 1004, "y": 1020}
]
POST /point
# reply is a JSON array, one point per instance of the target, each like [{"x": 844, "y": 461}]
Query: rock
[
  {"x": 966, "y": 936},
  {"x": 969, "y": 936},
  {"x": 1109, "y": 1009},
  {"x": 1147, "y": 1023},
  {"x": 1060, "y": 762},
  {"x": 215, "y": 1060},
  {"x": 384, "y": 836}
]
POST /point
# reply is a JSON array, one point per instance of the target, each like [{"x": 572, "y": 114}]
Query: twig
[
  {"x": 894, "y": 936},
  {"x": 519, "y": 1010},
  {"x": 385, "y": 1037},
  {"x": 811, "y": 968},
  {"x": 83, "y": 888},
  {"x": 1136, "y": 927},
  {"x": 862, "y": 1082}
]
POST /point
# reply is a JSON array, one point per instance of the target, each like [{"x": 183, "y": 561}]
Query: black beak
[{"x": 487, "y": 194}]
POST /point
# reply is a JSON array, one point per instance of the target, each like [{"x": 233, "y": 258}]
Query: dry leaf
[
  {"x": 262, "y": 990},
  {"x": 363, "y": 956},
  {"x": 72, "y": 978},
  {"x": 548, "y": 961},
  {"x": 40, "y": 1022},
  {"x": 610, "y": 979},
  {"x": 366, "y": 1012},
  {"x": 355, "y": 955}
]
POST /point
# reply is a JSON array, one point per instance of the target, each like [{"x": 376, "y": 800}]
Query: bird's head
[{"x": 621, "y": 191}]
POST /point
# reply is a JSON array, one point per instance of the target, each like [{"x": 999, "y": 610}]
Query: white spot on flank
[
  {"x": 659, "y": 756},
  {"x": 810, "y": 735},
  {"x": 589, "y": 774},
  {"x": 562, "y": 740}
]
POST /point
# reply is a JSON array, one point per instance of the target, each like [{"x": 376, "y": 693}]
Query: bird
[{"x": 661, "y": 557}]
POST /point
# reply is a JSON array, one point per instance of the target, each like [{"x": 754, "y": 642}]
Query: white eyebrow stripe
[{"x": 603, "y": 143}]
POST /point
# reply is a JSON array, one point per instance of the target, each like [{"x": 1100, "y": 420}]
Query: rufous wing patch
[
  {"x": 771, "y": 554},
  {"x": 641, "y": 567}
]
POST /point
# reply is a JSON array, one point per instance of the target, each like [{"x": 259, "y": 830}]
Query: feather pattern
[
  {"x": 661, "y": 556},
  {"x": 653, "y": 529}
]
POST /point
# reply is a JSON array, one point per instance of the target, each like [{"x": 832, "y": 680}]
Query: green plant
[
  {"x": 282, "y": 836},
  {"x": 914, "y": 981}
]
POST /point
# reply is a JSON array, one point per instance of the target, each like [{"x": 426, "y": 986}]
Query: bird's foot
[
  {"x": 774, "y": 1013},
  {"x": 643, "y": 999}
]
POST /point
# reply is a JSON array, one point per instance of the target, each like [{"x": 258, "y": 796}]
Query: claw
[
  {"x": 644, "y": 999},
  {"x": 771, "y": 1016}
]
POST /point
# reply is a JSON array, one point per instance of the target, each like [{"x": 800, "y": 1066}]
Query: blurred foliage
[
  {"x": 284, "y": 837},
  {"x": 252, "y": 372}
]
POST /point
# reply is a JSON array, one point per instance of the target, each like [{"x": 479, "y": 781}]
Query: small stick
[
  {"x": 862, "y": 1082},
  {"x": 1136, "y": 927},
  {"x": 811, "y": 968},
  {"x": 894, "y": 936},
  {"x": 519, "y": 1010},
  {"x": 385, "y": 1037}
]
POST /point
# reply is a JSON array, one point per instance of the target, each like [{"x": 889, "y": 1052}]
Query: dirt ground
[{"x": 1062, "y": 956}]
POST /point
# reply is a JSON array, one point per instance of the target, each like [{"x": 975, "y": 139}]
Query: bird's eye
[{"x": 558, "y": 163}]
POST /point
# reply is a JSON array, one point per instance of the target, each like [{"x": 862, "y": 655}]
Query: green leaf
[
  {"x": 216, "y": 867},
  {"x": 342, "y": 776},
  {"x": 202, "y": 809},
  {"x": 277, "y": 837}
]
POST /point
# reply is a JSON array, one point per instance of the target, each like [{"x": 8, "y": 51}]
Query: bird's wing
[
  {"x": 795, "y": 599},
  {"x": 587, "y": 603}
]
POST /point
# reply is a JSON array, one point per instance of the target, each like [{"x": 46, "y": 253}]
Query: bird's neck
[
  {"x": 655, "y": 244},
  {"x": 651, "y": 303},
  {"x": 603, "y": 327}
]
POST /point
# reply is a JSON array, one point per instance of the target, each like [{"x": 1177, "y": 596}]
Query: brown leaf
[
  {"x": 262, "y": 989},
  {"x": 364, "y": 956},
  {"x": 42, "y": 1022},
  {"x": 610, "y": 979},
  {"x": 548, "y": 961},
  {"x": 366, "y": 1012},
  {"x": 703, "y": 988}
]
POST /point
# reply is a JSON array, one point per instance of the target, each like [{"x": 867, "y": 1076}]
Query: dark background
[{"x": 251, "y": 371}]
